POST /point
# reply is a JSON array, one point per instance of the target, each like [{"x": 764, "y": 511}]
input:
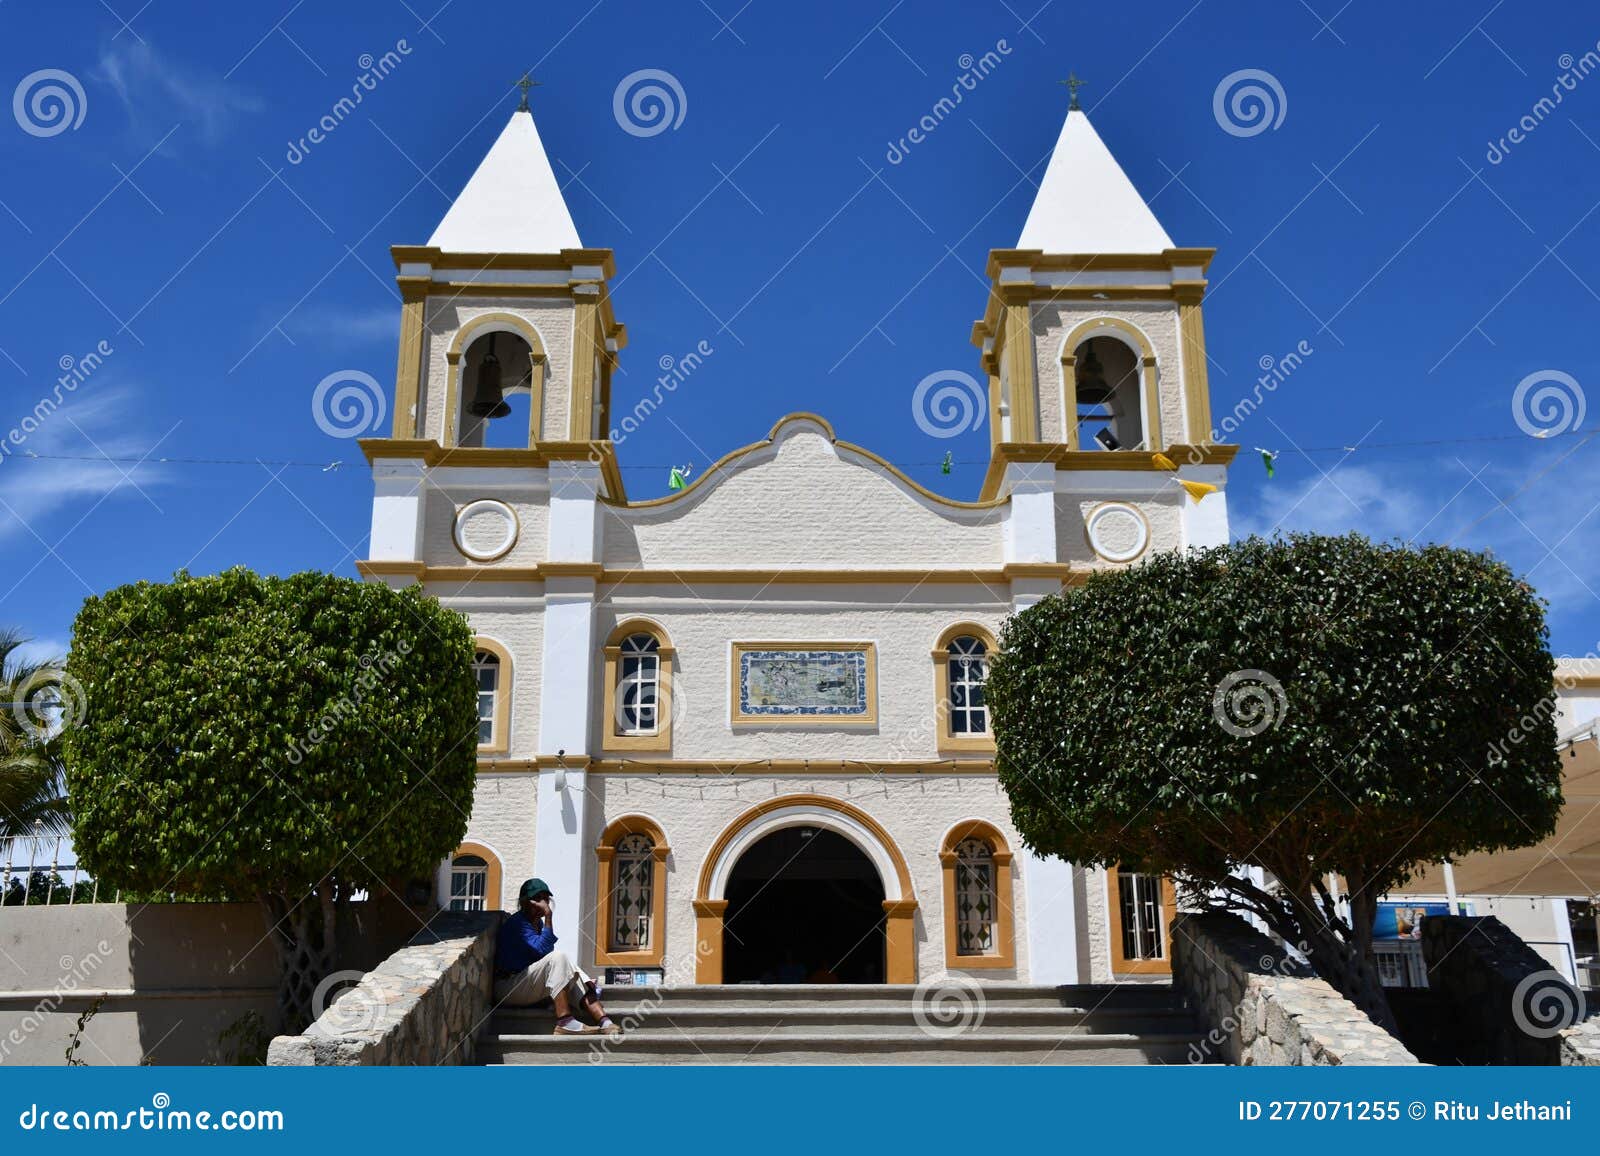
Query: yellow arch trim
[
  {"x": 825, "y": 802},
  {"x": 965, "y": 629},
  {"x": 521, "y": 324},
  {"x": 900, "y": 955},
  {"x": 1004, "y": 955},
  {"x": 492, "y": 872},
  {"x": 605, "y": 891},
  {"x": 711, "y": 475}
]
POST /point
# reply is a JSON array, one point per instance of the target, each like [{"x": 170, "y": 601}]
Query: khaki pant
[{"x": 541, "y": 980}]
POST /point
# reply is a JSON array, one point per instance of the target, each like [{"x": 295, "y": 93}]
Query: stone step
[
  {"x": 840, "y": 1047},
  {"x": 1082, "y": 997},
  {"x": 695, "y": 1019}
]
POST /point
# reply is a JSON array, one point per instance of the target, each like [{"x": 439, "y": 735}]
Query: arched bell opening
[
  {"x": 1109, "y": 390},
  {"x": 498, "y": 392}
]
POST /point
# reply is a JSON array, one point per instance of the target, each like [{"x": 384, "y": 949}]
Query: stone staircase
[{"x": 1134, "y": 1023}]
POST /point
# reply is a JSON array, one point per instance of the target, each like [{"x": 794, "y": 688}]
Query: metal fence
[{"x": 42, "y": 870}]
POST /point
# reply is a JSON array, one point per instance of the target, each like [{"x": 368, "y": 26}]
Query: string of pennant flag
[{"x": 678, "y": 476}]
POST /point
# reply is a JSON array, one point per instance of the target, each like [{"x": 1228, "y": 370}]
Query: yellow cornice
[
  {"x": 386, "y": 569},
  {"x": 540, "y": 455},
  {"x": 722, "y": 767},
  {"x": 770, "y": 576},
  {"x": 712, "y": 474},
  {"x": 1065, "y": 458},
  {"x": 1084, "y": 262},
  {"x": 565, "y": 259},
  {"x": 995, "y": 576}
]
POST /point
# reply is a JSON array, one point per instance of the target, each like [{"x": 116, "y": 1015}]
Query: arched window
[
  {"x": 977, "y": 897},
  {"x": 638, "y": 684},
  {"x": 633, "y": 893},
  {"x": 473, "y": 880},
  {"x": 469, "y": 879},
  {"x": 491, "y": 666},
  {"x": 975, "y": 900},
  {"x": 631, "y": 900},
  {"x": 961, "y": 667},
  {"x": 638, "y": 690}
]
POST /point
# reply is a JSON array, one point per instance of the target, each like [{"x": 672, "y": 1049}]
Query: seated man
[{"x": 527, "y": 968}]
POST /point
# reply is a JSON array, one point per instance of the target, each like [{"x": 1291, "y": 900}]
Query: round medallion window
[
  {"x": 1118, "y": 532},
  {"x": 485, "y": 529}
]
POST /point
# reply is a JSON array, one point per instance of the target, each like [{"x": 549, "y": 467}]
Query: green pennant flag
[
  {"x": 1267, "y": 458},
  {"x": 678, "y": 478},
  {"x": 944, "y": 466}
]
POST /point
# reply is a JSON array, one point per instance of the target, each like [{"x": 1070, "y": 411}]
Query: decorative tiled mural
[{"x": 804, "y": 683}]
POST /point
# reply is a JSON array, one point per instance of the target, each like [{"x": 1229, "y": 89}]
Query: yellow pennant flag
[
  {"x": 1197, "y": 490},
  {"x": 1164, "y": 462}
]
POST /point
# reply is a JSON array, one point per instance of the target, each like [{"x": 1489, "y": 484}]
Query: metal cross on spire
[
  {"x": 527, "y": 82},
  {"x": 1073, "y": 84}
]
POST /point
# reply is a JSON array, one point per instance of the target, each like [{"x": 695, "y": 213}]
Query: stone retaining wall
[
  {"x": 1509, "y": 1005},
  {"x": 422, "y": 1005},
  {"x": 1257, "y": 1006},
  {"x": 1580, "y": 1045}
]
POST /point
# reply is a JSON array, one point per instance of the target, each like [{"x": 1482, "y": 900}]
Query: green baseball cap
[{"x": 534, "y": 888}]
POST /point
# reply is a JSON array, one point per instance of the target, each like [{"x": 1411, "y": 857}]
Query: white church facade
[{"x": 740, "y": 729}]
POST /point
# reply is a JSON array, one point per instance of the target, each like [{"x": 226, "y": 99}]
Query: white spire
[
  {"x": 512, "y": 204},
  {"x": 1086, "y": 203}
]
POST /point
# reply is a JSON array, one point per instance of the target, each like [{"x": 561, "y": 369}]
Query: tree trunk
[
  {"x": 1340, "y": 953},
  {"x": 303, "y": 930}
]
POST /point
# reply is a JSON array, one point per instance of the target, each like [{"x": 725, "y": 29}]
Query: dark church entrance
[{"x": 804, "y": 906}]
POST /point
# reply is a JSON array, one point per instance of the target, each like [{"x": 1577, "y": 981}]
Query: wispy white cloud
[
  {"x": 1528, "y": 506},
  {"x": 335, "y": 325},
  {"x": 158, "y": 91},
  {"x": 69, "y": 467}
]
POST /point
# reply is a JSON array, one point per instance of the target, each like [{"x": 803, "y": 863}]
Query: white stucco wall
[
  {"x": 504, "y": 810},
  {"x": 516, "y": 623},
  {"x": 904, "y": 621},
  {"x": 802, "y": 502},
  {"x": 532, "y": 512},
  {"x": 1162, "y": 510},
  {"x": 915, "y": 810}
]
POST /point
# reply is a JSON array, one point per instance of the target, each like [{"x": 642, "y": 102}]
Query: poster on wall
[{"x": 1404, "y": 920}]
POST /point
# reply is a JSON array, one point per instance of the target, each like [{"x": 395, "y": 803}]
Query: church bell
[{"x": 488, "y": 399}]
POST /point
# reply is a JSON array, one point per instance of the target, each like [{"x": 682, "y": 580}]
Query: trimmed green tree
[
  {"x": 293, "y": 740},
  {"x": 1313, "y": 706}
]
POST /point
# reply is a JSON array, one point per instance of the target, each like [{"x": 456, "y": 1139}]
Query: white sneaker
[{"x": 573, "y": 1027}]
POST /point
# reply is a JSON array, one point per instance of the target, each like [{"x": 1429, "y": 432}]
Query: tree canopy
[
  {"x": 293, "y": 739},
  {"x": 32, "y": 708},
  {"x": 1312, "y": 706}
]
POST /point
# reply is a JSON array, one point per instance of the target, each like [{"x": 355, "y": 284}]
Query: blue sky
[{"x": 1371, "y": 223}]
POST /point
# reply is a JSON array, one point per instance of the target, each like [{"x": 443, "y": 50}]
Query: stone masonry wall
[
  {"x": 1508, "y": 1002},
  {"x": 1260, "y": 1007},
  {"x": 422, "y": 1005},
  {"x": 1580, "y": 1045}
]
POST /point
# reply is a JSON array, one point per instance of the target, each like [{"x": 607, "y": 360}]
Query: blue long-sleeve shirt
[{"x": 520, "y": 945}]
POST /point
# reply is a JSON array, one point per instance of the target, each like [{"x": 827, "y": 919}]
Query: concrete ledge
[
  {"x": 1259, "y": 1007},
  {"x": 422, "y": 1005}
]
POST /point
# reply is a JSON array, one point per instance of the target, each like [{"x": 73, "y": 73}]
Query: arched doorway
[
  {"x": 804, "y": 905},
  {"x": 819, "y": 813}
]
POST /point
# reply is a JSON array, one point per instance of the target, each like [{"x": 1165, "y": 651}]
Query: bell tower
[
  {"x": 507, "y": 337},
  {"x": 1092, "y": 336}
]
